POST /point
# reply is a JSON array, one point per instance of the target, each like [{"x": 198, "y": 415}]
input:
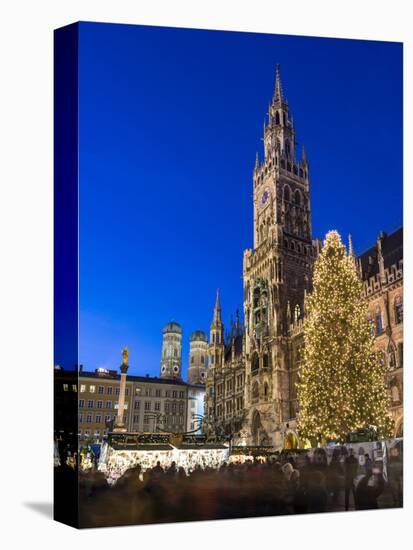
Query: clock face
[{"x": 264, "y": 197}]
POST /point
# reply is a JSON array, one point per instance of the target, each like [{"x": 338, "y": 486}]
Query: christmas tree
[{"x": 342, "y": 384}]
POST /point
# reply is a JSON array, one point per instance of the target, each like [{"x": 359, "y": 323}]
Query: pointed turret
[
  {"x": 288, "y": 315},
  {"x": 350, "y": 247},
  {"x": 237, "y": 325},
  {"x": 216, "y": 336},
  {"x": 257, "y": 161},
  {"x": 303, "y": 155}
]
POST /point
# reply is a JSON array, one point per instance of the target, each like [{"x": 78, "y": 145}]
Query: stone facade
[
  {"x": 381, "y": 270},
  {"x": 251, "y": 381}
]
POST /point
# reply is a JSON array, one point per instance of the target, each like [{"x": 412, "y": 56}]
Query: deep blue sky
[{"x": 170, "y": 121}]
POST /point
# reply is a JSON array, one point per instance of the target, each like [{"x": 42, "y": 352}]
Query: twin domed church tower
[{"x": 171, "y": 360}]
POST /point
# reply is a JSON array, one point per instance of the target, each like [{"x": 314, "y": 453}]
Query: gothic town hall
[{"x": 250, "y": 382}]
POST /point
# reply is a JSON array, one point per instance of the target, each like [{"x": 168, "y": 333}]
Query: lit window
[
  {"x": 82, "y": 388},
  {"x": 74, "y": 388},
  {"x": 138, "y": 391},
  {"x": 65, "y": 387},
  {"x": 92, "y": 389}
]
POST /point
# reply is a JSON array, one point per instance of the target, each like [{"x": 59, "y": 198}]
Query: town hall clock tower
[{"x": 276, "y": 273}]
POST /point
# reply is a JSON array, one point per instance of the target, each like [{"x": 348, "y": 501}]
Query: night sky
[{"x": 170, "y": 121}]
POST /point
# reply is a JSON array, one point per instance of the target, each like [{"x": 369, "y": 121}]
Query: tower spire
[
  {"x": 217, "y": 309},
  {"x": 278, "y": 94}
]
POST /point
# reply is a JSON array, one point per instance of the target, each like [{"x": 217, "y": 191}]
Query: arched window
[
  {"x": 192, "y": 359},
  {"x": 288, "y": 223},
  {"x": 395, "y": 394},
  {"x": 286, "y": 193},
  {"x": 400, "y": 353},
  {"x": 392, "y": 358},
  {"x": 297, "y": 197},
  {"x": 295, "y": 169},
  {"x": 255, "y": 363},
  {"x": 284, "y": 120},
  {"x": 202, "y": 359},
  {"x": 301, "y": 173},
  {"x": 297, "y": 313},
  {"x": 277, "y": 117},
  {"x": 255, "y": 391},
  {"x": 398, "y": 310},
  {"x": 261, "y": 233},
  {"x": 265, "y": 362},
  {"x": 266, "y": 391},
  {"x": 378, "y": 321},
  {"x": 289, "y": 166}
]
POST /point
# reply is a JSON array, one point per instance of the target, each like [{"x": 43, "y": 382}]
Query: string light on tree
[{"x": 342, "y": 383}]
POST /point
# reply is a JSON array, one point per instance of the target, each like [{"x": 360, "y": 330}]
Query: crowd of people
[{"x": 287, "y": 483}]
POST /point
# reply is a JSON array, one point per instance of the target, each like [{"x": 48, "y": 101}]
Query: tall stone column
[{"x": 119, "y": 424}]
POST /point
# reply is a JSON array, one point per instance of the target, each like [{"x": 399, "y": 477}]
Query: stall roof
[
  {"x": 207, "y": 446},
  {"x": 159, "y": 447}
]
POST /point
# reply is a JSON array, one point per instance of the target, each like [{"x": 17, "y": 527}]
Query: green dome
[
  {"x": 172, "y": 326},
  {"x": 198, "y": 336}
]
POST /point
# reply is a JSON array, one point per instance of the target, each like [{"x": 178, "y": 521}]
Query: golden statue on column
[{"x": 119, "y": 424}]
